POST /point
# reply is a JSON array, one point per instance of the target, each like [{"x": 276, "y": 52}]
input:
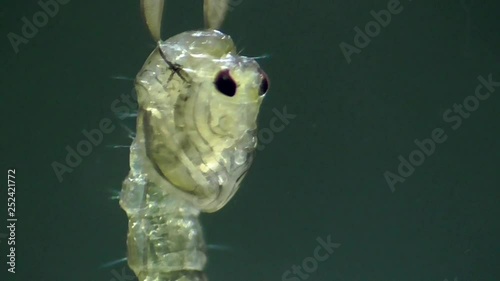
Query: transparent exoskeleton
[{"x": 196, "y": 133}]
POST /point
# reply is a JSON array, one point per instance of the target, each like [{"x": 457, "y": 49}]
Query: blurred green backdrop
[{"x": 323, "y": 175}]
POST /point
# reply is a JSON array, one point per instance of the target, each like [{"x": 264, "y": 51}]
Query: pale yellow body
[{"x": 196, "y": 133}]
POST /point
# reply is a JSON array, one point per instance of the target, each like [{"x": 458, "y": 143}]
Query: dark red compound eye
[
  {"x": 264, "y": 84},
  {"x": 225, "y": 83}
]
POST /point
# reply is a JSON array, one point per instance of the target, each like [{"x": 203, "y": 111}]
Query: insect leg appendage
[{"x": 174, "y": 67}]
